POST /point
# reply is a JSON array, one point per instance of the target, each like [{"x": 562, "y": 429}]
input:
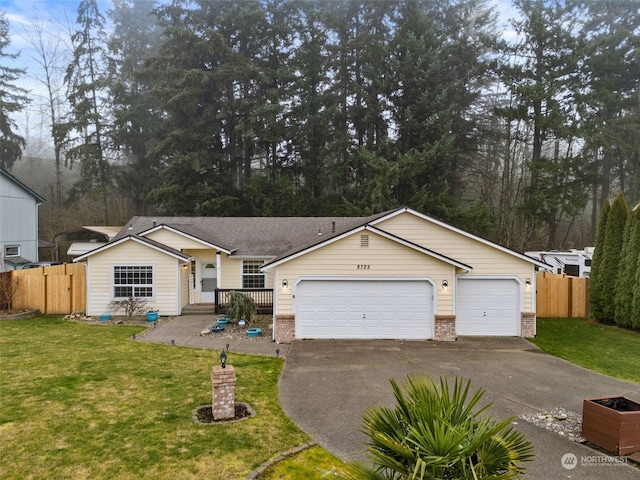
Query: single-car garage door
[
  {"x": 487, "y": 306},
  {"x": 364, "y": 309}
]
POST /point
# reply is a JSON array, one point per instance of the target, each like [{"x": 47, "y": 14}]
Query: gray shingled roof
[{"x": 252, "y": 236}]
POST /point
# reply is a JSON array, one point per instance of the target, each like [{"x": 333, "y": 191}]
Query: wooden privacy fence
[
  {"x": 59, "y": 289},
  {"x": 562, "y": 296}
]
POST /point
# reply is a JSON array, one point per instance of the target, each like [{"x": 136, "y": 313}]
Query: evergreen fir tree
[
  {"x": 634, "y": 321},
  {"x": 12, "y": 99},
  {"x": 610, "y": 266},
  {"x": 627, "y": 286},
  {"x": 595, "y": 278}
]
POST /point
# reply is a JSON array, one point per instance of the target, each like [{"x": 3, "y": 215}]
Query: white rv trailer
[{"x": 576, "y": 263}]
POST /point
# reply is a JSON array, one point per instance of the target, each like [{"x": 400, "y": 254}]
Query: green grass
[
  {"x": 602, "y": 348},
  {"x": 314, "y": 463},
  {"x": 83, "y": 401}
]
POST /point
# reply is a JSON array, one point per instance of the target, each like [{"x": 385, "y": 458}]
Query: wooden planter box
[{"x": 612, "y": 423}]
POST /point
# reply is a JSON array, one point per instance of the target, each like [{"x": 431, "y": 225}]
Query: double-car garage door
[{"x": 364, "y": 308}]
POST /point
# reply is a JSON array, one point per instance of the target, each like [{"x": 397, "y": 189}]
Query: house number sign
[{"x": 363, "y": 267}]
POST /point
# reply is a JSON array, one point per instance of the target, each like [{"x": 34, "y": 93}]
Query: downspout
[
  {"x": 218, "y": 276},
  {"x": 275, "y": 306}
]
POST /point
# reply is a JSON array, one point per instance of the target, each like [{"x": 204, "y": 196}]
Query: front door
[{"x": 208, "y": 282}]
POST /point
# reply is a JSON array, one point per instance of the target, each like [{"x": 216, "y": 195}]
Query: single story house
[{"x": 397, "y": 274}]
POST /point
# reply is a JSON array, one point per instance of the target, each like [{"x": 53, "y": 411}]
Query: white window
[
  {"x": 252, "y": 277},
  {"x": 133, "y": 281},
  {"x": 12, "y": 250}
]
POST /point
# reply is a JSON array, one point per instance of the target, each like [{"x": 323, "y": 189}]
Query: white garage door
[
  {"x": 364, "y": 309},
  {"x": 487, "y": 307}
]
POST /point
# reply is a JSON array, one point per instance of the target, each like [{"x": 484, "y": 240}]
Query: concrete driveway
[{"x": 327, "y": 385}]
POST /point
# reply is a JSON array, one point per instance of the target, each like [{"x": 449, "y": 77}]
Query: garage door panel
[
  {"x": 487, "y": 307},
  {"x": 364, "y": 309}
]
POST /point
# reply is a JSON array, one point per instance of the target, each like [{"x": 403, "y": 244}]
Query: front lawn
[
  {"x": 603, "y": 348},
  {"x": 84, "y": 401}
]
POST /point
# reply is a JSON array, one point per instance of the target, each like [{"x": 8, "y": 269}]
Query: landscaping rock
[{"x": 563, "y": 422}]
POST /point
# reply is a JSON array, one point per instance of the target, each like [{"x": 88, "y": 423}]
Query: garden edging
[{"x": 293, "y": 451}]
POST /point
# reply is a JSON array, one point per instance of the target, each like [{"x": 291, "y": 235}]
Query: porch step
[{"x": 199, "y": 309}]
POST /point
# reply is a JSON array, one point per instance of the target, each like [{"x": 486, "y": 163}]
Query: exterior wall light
[
  {"x": 527, "y": 282},
  {"x": 285, "y": 283},
  {"x": 223, "y": 359},
  {"x": 445, "y": 284}
]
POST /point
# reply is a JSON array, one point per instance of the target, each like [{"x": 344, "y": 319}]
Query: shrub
[
  {"x": 434, "y": 432},
  {"x": 241, "y": 306},
  {"x": 132, "y": 306}
]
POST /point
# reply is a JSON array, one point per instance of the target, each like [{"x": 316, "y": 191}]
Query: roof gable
[
  {"x": 318, "y": 245},
  {"x": 189, "y": 239},
  {"x": 4, "y": 173},
  {"x": 456, "y": 231},
  {"x": 141, "y": 240}
]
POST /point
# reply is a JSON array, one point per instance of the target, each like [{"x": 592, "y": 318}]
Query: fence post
[{"x": 71, "y": 296}]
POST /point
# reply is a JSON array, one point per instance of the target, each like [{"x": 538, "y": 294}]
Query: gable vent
[{"x": 364, "y": 240}]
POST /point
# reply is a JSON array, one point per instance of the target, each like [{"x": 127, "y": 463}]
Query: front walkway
[{"x": 185, "y": 330}]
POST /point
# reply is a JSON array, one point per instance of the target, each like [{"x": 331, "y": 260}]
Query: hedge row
[{"x": 614, "y": 286}]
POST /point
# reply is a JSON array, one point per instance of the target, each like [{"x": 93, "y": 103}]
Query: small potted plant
[{"x": 152, "y": 315}]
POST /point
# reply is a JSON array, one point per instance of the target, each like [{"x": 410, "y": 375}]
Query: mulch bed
[{"x": 205, "y": 414}]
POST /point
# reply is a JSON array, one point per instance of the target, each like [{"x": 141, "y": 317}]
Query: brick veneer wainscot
[
  {"x": 285, "y": 328},
  {"x": 223, "y": 381},
  {"x": 445, "y": 328},
  {"x": 528, "y": 324}
]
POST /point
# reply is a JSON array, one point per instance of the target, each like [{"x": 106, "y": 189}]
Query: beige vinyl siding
[
  {"x": 100, "y": 277},
  {"x": 485, "y": 259},
  {"x": 382, "y": 258}
]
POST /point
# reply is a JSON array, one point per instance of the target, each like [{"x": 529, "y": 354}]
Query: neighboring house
[
  {"x": 84, "y": 239},
  {"x": 397, "y": 274},
  {"x": 18, "y": 222}
]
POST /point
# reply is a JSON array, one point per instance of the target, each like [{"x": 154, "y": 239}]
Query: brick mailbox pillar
[{"x": 223, "y": 381}]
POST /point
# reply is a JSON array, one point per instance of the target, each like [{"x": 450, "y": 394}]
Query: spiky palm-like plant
[{"x": 434, "y": 433}]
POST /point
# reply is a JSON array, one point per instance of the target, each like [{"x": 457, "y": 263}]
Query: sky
[{"x": 24, "y": 14}]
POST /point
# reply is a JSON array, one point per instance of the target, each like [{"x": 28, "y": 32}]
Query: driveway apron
[{"x": 327, "y": 385}]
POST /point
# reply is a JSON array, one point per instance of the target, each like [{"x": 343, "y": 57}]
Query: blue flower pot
[
  {"x": 152, "y": 316},
  {"x": 254, "y": 332},
  {"x": 105, "y": 317},
  {"x": 223, "y": 321}
]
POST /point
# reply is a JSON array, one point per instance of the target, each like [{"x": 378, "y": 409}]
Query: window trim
[
  {"x": 257, "y": 274},
  {"x": 10, "y": 255},
  {"x": 152, "y": 285}
]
